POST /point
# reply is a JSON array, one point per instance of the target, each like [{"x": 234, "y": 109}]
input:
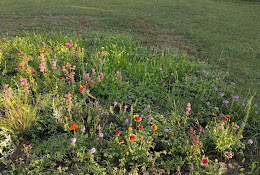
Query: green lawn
[{"x": 224, "y": 33}]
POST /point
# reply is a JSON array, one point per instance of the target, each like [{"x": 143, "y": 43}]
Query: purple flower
[
  {"x": 216, "y": 107},
  {"x": 187, "y": 78},
  {"x": 233, "y": 83},
  {"x": 145, "y": 109},
  {"x": 83, "y": 129},
  {"x": 107, "y": 113},
  {"x": 195, "y": 78},
  {"x": 208, "y": 103},
  {"x": 126, "y": 120},
  {"x": 73, "y": 140},
  {"x": 256, "y": 112},
  {"x": 101, "y": 134},
  {"x": 225, "y": 101},
  {"x": 234, "y": 128},
  {"x": 220, "y": 126},
  {"x": 98, "y": 115},
  {"x": 237, "y": 126},
  {"x": 93, "y": 150},
  {"x": 191, "y": 167},
  {"x": 227, "y": 73},
  {"x": 221, "y": 94},
  {"x": 115, "y": 103},
  {"x": 142, "y": 115},
  {"x": 161, "y": 71},
  {"x": 166, "y": 68},
  {"x": 150, "y": 117},
  {"x": 222, "y": 115},
  {"x": 248, "y": 101},
  {"x": 250, "y": 141},
  {"x": 125, "y": 107},
  {"x": 215, "y": 88},
  {"x": 88, "y": 91},
  {"x": 68, "y": 45},
  {"x": 243, "y": 104},
  {"x": 256, "y": 105},
  {"x": 148, "y": 106},
  {"x": 166, "y": 130},
  {"x": 217, "y": 79},
  {"x": 242, "y": 124},
  {"x": 205, "y": 72},
  {"x": 172, "y": 74}
]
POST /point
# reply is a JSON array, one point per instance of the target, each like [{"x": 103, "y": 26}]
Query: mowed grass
[{"x": 224, "y": 33}]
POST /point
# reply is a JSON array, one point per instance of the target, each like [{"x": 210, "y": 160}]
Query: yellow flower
[
  {"x": 118, "y": 62},
  {"x": 13, "y": 102},
  {"x": 141, "y": 137},
  {"x": 216, "y": 160},
  {"x": 127, "y": 153},
  {"x": 130, "y": 129},
  {"x": 220, "y": 142},
  {"x": 242, "y": 169},
  {"x": 102, "y": 47},
  {"x": 34, "y": 89},
  {"x": 241, "y": 136},
  {"x": 214, "y": 131}
]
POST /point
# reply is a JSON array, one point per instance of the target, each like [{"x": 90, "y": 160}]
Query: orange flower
[
  {"x": 153, "y": 55},
  {"x": 132, "y": 137},
  {"x": 137, "y": 118},
  {"x": 118, "y": 133},
  {"x": 61, "y": 78},
  {"x": 154, "y": 127},
  {"x": 140, "y": 127},
  {"x": 40, "y": 50},
  {"x": 130, "y": 75},
  {"x": 121, "y": 141},
  {"x": 20, "y": 53},
  {"x": 73, "y": 126},
  {"x": 214, "y": 115},
  {"x": 220, "y": 121},
  {"x": 227, "y": 117}
]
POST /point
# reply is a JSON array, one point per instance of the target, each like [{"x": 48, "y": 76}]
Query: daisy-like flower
[
  {"x": 154, "y": 127},
  {"x": 137, "y": 118},
  {"x": 250, "y": 141},
  {"x": 228, "y": 155},
  {"x": 101, "y": 134},
  {"x": 205, "y": 161},
  {"x": 93, "y": 150},
  {"x": 73, "y": 140},
  {"x": 73, "y": 126},
  {"x": 132, "y": 137},
  {"x": 227, "y": 117},
  {"x": 118, "y": 132},
  {"x": 140, "y": 127}
]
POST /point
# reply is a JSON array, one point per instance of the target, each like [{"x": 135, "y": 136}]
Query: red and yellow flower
[
  {"x": 154, "y": 127},
  {"x": 227, "y": 117},
  {"x": 141, "y": 127},
  {"x": 132, "y": 137},
  {"x": 137, "y": 118},
  {"x": 118, "y": 132},
  {"x": 121, "y": 141}
]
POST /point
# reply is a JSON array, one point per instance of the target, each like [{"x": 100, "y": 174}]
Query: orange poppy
[{"x": 73, "y": 126}]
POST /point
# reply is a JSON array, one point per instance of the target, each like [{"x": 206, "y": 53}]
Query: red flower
[
  {"x": 228, "y": 155},
  {"x": 205, "y": 161},
  {"x": 33, "y": 72},
  {"x": 214, "y": 115},
  {"x": 140, "y": 127},
  {"x": 118, "y": 133},
  {"x": 156, "y": 133},
  {"x": 137, "y": 118},
  {"x": 61, "y": 78},
  {"x": 132, "y": 137},
  {"x": 73, "y": 126},
  {"x": 82, "y": 88},
  {"x": 20, "y": 53},
  {"x": 88, "y": 84},
  {"x": 227, "y": 117},
  {"x": 153, "y": 55}
]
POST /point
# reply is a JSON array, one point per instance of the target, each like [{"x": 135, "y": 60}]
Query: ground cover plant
[{"x": 104, "y": 104}]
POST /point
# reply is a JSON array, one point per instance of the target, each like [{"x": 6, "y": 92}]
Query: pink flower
[
  {"x": 101, "y": 76},
  {"x": 68, "y": 45},
  {"x": 93, "y": 71},
  {"x": 205, "y": 161}
]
